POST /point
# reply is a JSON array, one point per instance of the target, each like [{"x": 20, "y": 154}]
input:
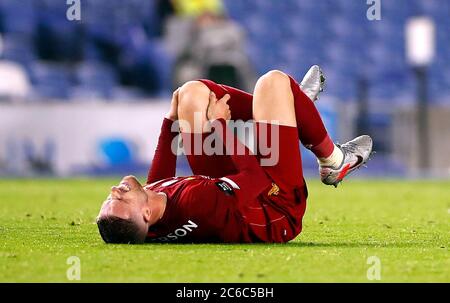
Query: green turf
[{"x": 405, "y": 224}]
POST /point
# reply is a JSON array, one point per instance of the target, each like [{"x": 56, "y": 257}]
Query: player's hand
[
  {"x": 218, "y": 109},
  {"x": 173, "y": 112}
]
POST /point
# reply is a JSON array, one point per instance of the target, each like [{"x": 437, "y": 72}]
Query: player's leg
[
  {"x": 276, "y": 123},
  {"x": 335, "y": 162},
  {"x": 193, "y": 102}
]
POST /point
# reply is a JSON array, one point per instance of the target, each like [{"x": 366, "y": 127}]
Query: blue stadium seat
[
  {"x": 96, "y": 78},
  {"x": 18, "y": 16},
  {"x": 18, "y": 48},
  {"x": 50, "y": 80}
]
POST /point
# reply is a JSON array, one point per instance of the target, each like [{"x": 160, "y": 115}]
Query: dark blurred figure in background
[
  {"x": 55, "y": 38},
  {"x": 164, "y": 10},
  {"x": 207, "y": 44}
]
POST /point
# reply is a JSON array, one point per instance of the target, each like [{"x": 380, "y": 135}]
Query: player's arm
[
  {"x": 251, "y": 179},
  {"x": 164, "y": 161}
]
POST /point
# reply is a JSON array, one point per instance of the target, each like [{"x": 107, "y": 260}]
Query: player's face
[{"x": 127, "y": 200}]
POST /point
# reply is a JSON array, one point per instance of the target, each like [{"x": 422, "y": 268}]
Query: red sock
[{"x": 311, "y": 130}]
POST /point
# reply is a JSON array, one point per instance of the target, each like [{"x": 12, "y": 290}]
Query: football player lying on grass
[{"x": 234, "y": 196}]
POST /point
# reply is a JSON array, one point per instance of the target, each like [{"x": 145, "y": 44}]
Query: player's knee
[
  {"x": 274, "y": 78},
  {"x": 193, "y": 94},
  {"x": 274, "y": 87}
]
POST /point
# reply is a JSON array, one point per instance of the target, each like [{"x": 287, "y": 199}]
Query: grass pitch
[{"x": 404, "y": 224}]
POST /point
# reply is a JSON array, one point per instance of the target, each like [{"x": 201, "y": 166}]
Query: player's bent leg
[
  {"x": 275, "y": 121},
  {"x": 193, "y": 102}
]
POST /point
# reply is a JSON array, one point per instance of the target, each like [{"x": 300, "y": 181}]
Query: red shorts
[{"x": 277, "y": 214}]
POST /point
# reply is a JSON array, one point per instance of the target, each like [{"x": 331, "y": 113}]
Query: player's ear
[{"x": 147, "y": 213}]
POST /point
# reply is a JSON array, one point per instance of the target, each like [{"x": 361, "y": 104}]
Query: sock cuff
[{"x": 324, "y": 149}]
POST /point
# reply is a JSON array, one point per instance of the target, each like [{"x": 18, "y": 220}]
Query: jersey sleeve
[
  {"x": 250, "y": 179},
  {"x": 164, "y": 161}
]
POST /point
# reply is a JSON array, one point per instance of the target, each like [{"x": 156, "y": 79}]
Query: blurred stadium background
[{"x": 86, "y": 97}]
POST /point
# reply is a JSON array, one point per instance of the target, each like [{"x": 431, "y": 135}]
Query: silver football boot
[
  {"x": 313, "y": 83},
  {"x": 356, "y": 154}
]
